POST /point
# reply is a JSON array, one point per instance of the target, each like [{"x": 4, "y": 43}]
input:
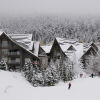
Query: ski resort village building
[
  {"x": 16, "y": 49},
  {"x": 78, "y": 54},
  {"x": 91, "y": 51},
  {"x": 62, "y": 47}
]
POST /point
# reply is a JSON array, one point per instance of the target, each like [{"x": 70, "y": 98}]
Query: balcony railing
[
  {"x": 13, "y": 62},
  {"x": 14, "y": 53}
]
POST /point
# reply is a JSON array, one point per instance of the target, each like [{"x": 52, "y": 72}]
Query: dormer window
[
  {"x": 58, "y": 55},
  {"x": 4, "y": 43}
]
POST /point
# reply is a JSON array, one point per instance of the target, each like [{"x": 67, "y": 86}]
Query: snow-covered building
[
  {"x": 73, "y": 49},
  {"x": 90, "y": 51},
  {"x": 62, "y": 49},
  {"x": 42, "y": 57},
  {"x": 16, "y": 49},
  {"x": 67, "y": 48}
]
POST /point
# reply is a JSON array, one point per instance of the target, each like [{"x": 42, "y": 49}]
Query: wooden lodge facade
[
  {"x": 56, "y": 52},
  {"x": 16, "y": 50},
  {"x": 14, "y": 54},
  {"x": 42, "y": 57},
  {"x": 73, "y": 51},
  {"x": 91, "y": 52}
]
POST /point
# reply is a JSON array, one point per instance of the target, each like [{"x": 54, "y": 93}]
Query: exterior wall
[
  {"x": 10, "y": 53},
  {"x": 43, "y": 58},
  {"x": 43, "y": 61}
]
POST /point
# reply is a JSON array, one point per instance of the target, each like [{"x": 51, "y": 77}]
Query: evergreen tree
[
  {"x": 28, "y": 71},
  {"x": 3, "y": 65},
  {"x": 51, "y": 75}
]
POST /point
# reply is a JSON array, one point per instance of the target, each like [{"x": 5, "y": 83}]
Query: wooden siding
[{"x": 43, "y": 57}]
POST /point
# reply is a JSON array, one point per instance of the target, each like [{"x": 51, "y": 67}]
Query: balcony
[
  {"x": 14, "y": 62},
  {"x": 13, "y": 53}
]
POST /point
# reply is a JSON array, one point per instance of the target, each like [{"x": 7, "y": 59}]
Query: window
[
  {"x": 58, "y": 55},
  {"x": 14, "y": 52},
  {"x": 43, "y": 61},
  {"x": 17, "y": 60},
  {"x": 4, "y": 43},
  {"x": 14, "y": 60},
  {"x": 4, "y": 51},
  {"x": 48, "y": 59}
]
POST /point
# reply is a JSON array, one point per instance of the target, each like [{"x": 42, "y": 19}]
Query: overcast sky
[{"x": 77, "y": 7}]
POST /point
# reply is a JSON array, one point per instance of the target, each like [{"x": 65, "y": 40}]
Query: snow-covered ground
[{"x": 13, "y": 86}]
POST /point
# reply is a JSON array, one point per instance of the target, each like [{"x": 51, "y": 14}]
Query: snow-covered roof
[
  {"x": 73, "y": 55},
  {"x": 21, "y": 36},
  {"x": 64, "y": 40},
  {"x": 71, "y": 48},
  {"x": 98, "y": 45},
  {"x": 23, "y": 39},
  {"x": 1, "y": 32},
  {"x": 36, "y": 48},
  {"x": 66, "y": 43},
  {"x": 14, "y": 41},
  {"x": 86, "y": 46},
  {"x": 25, "y": 42},
  {"x": 91, "y": 46},
  {"x": 47, "y": 48}
]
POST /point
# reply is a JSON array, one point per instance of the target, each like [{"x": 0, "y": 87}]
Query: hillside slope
[{"x": 14, "y": 87}]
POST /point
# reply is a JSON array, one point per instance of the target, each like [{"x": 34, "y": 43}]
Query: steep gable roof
[
  {"x": 71, "y": 48},
  {"x": 94, "y": 46},
  {"x": 92, "y": 49},
  {"x": 18, "y": 44},
  {"x": 1, "y": 32},
  {"x": 57, "y": 44},
  {"x": 24, "y": 39},
  {"x": 66, "y": 44},
  {"x": 41, "y": 52}
]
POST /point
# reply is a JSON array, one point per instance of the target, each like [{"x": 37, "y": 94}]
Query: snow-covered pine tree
[
  {"x": 64, "y": 69},
  {"x": 28, "y": 71},
  {"x": 37, "y": 78},
  {"x": 68, "y": 73},
  {"x": 51, "y": 76},
  {"x": 3, "y": 65},
  {"x": 33, "y": 74},
  {"x": 93, "y": 64}
]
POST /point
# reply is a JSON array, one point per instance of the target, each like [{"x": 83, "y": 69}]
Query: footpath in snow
[{"x": 13, "y": 86}]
